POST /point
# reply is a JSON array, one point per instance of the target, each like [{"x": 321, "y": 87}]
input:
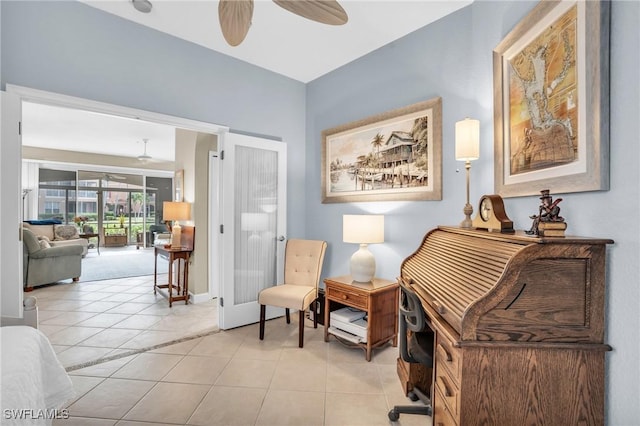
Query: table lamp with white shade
[
  {"x": 363, "y": 230},
  {"x": 176, "y": 211},
  {"x": 467, "y": 150}
]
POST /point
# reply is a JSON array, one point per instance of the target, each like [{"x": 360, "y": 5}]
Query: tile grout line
[{"x": 141, "y": 350}]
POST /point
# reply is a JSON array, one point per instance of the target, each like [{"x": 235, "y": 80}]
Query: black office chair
[{"x": 418, "y": 348}]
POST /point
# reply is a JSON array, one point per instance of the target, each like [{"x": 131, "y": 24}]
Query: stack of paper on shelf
[
  {"x": 350, "y": 324},
  {"x": 347, "y": 314}
]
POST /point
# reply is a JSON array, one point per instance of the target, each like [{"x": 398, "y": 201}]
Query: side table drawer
[{"x": 353, "y": 299}]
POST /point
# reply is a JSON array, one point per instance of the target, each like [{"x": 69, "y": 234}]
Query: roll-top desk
[{"x": 518, "y": 324}]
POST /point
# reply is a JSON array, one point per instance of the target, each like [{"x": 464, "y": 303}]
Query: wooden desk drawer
[
  {"x": 448, "y": 356},
  {"x": 353, "y": 299},
  {"x": 441, "y": 414},
  {"x": 448, "y": 392}
]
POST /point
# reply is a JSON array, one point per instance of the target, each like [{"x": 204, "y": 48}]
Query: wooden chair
[{"x": 302, "y": 268}]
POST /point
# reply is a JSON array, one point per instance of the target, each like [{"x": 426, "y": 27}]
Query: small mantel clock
[{"x": 492, "y": 216}]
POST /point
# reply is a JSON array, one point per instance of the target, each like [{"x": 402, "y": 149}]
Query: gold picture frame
[
  {"x": 393, "y": 156},
  {"x": 178, "y": 185},
  {"x": 551, "y": 101}
]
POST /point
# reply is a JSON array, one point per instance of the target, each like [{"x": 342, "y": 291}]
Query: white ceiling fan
[
  {"x": 144, "y": 157},
  {"x": 235, "y": 15}
]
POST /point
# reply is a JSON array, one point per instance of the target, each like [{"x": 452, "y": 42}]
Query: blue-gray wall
[
  {"x": 76, "y": 50},
  {"x": 452, "y": 58}
]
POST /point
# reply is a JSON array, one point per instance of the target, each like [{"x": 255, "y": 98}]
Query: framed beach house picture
[{"x": 391, "y": 156}]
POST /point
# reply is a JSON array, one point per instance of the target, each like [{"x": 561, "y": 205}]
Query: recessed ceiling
[{"x": 286, "y": 43}]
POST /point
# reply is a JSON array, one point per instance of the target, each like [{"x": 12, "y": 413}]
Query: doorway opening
[{"x": 131, "y": 163}]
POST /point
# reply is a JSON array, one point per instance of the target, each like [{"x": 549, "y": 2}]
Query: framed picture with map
[
  {"x": 396, "y": 155},
  {"x": 551, "y": 101}
]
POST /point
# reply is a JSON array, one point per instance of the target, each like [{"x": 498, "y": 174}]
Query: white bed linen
[{"x": 33, "y": 379}]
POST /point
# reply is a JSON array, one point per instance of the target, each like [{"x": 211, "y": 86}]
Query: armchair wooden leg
[
  {"x": 287, "y": 314},
  {"x": 263, "y": 308},
  {"x": 28, "y": 289},
  {"x": 301, "y": 336},
  {"x": 76, "y": 279}
]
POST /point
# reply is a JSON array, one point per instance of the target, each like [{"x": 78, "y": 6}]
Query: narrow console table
[
  {"x": 182, "y": 289},
  {"x": 180, "y": 254},
  {"x": 378, "y": 298}
]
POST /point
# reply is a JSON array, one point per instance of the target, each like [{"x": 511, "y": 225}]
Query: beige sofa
[
  {"x": 46, "y": 264},
  {"x": 59, "y": 235}
]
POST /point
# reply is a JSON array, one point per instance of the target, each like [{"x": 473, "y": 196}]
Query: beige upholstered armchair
[{"x": 302, "y": 268}]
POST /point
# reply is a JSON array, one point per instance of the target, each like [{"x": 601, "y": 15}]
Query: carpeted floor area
[{"x": 119, "y": 262}]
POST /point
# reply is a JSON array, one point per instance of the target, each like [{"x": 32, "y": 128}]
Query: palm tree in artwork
[
  {"x": 420, "y": 132},
  {"x": 377, "y": 142}
]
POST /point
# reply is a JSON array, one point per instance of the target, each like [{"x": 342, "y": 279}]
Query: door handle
[{"x": 281, "y": 238}]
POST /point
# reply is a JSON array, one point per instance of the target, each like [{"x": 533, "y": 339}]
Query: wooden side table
[
  {"x": 378, "y": 298},
  {"x": 173, "y": 254},
  {"x": 88, "y": 235}
]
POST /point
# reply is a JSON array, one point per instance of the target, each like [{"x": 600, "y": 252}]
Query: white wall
[
  {"x": 192, "y": 155},
  {"x": 30, "y": 175},
  {"x": 452, "y": 58}
]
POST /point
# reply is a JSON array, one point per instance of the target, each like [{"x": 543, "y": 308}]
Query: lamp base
[
  {"x": 176, "y": 232},
  {"x": 363, "y": 265},
  {"x": 466, "y": 223}
]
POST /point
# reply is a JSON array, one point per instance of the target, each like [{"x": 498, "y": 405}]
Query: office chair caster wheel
[
  {"x": 412, "y": 396},
  {"x": 393, "y": 415}
]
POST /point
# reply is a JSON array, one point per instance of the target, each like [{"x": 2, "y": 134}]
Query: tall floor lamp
[{"x": 467, "y": 150}]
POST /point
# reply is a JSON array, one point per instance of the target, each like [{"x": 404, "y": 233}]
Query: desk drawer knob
[{"x": 345, "y": 297}]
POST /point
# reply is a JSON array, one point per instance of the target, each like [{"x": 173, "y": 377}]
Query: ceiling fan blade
[
  {"x": 109, "y": 176},
  {"x": 235, "y": 19},
  {"x": 323, "y": 11}
]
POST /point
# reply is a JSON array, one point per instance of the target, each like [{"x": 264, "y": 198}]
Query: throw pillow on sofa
[
  {"x": 43, "y": 240},
  {"x": 65, "y": 232}
]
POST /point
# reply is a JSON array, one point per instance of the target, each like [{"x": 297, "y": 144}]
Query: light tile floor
[
  {"x": 85, "y": 321},
  {"x": 225, "y": 378}
]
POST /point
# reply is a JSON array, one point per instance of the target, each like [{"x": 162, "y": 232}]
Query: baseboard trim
[{"x": 199, "y": 298}]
